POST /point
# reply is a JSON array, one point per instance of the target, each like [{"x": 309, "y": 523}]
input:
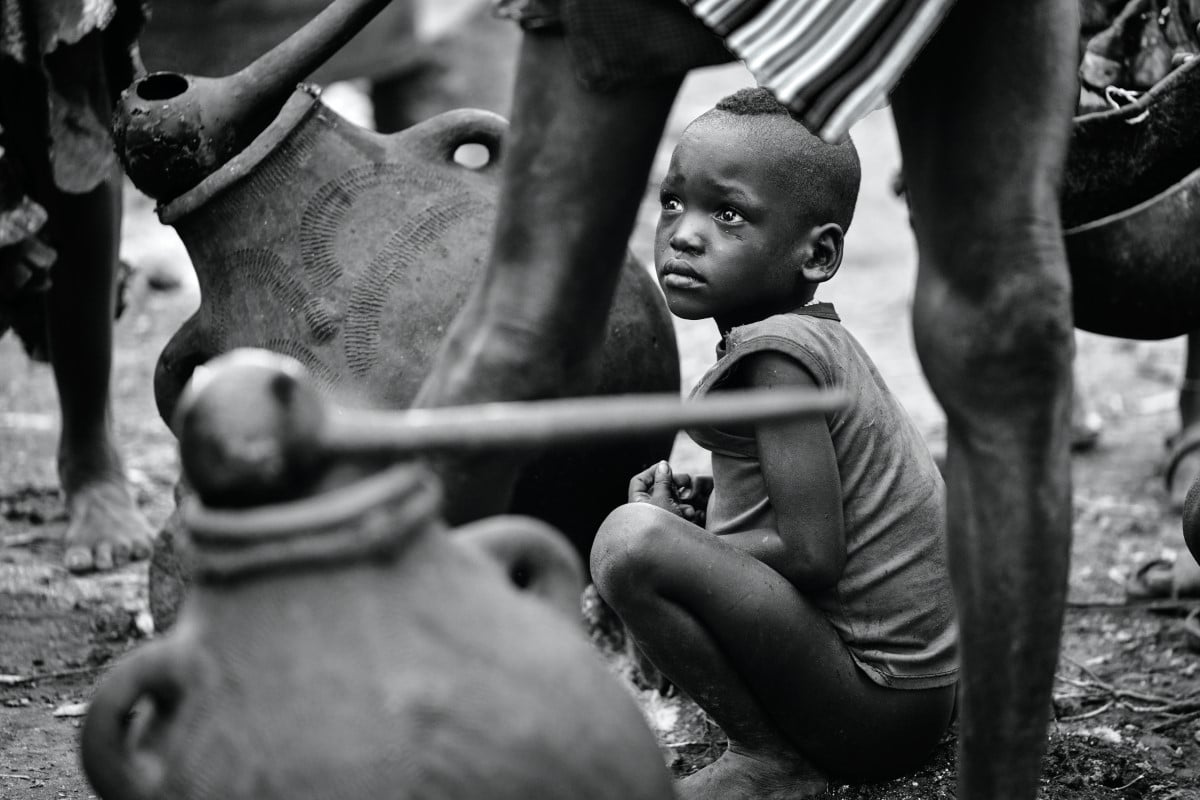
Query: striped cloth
[{"x": 830, "y": 61}]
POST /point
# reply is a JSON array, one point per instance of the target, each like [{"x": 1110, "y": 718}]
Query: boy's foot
[
  {"x": 737, "y": 775},
  {"x": 106, "y": 529}
]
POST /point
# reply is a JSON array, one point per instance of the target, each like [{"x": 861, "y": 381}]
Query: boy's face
[{"x": 731, "y": 238}]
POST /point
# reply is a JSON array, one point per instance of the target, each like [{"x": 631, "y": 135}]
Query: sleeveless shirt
[{"x": 892, "y": 605}]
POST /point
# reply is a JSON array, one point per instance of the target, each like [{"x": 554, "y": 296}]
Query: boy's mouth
[{"x": 679, "y": 274}]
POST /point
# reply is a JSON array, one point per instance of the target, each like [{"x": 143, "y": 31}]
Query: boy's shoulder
[
  {"x": 816, "y": 324},
  {"x": 792, "y": 324},
  {"x": 813, "y": 336}
]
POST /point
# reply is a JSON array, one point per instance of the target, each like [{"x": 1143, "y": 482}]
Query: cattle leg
[
  {"x": 574, "y": 172},
  {"x": 983, "y": 119}
]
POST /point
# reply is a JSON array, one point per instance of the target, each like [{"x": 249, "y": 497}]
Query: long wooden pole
[{"x": 543, "y": 423}]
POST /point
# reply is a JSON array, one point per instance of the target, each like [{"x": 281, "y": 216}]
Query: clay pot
[
  {"x": 173, "y": 130},
  {"x": 352, "y": 252},
  {"x": 1130, "y": 211},
  {"x": 1136, "y": 273},
  {"x": 349, "y": 645}
]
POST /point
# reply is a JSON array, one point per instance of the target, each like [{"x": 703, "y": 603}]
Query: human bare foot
[
  {"x": 742, "y": 774},
  {"x": 106, "y": 529}
]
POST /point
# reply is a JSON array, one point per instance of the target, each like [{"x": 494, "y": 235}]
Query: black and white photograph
[{"x": 599, "y": 399}]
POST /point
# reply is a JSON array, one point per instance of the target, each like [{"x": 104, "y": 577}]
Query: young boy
[{"x": 811, "y": 616}]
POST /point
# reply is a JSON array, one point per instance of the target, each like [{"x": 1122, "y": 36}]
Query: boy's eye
[
  {"x": 670, "y": 203},
  {"x": 729, "y": 216}
]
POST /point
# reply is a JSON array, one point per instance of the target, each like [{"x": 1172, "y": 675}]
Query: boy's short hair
[{"x": 824, "y": 176}]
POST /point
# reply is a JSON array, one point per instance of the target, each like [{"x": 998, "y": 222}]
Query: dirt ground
[{"x": 1128, "y": 700}]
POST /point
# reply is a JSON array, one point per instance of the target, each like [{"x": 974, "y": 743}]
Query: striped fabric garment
[{"x": 830, "y": 61}]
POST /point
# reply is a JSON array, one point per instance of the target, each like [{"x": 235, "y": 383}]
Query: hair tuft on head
[
  {"x": 751, "y": 102},
  {"x": 822, "y": 176}
]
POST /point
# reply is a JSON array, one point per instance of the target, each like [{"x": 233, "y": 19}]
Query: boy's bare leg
[
  {"x": 760, "y": 659},
  {"x": 106, "y": 528},
  {"x": 983, "y": 148},
  {"x": 574, "y": 173}
]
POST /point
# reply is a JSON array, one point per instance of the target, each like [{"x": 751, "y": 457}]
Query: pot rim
[
  {"x": 373, "y": 518},
  {"x": 1188, "y": 179},
  {"x": 302, "y": 102},
  {"x": 328, "y": 509}
]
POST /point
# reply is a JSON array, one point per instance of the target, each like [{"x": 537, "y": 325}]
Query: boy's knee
[{"x": 624, "y": 552}]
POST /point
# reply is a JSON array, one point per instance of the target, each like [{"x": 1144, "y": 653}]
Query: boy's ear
[{"x": 826, "y": 255}]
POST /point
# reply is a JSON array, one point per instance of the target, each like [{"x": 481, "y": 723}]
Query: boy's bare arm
[{"x": 801, "y": 474}]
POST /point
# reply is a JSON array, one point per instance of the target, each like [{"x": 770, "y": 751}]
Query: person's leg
[
  {"x": 760, "y": 658},
  {"x": 983, "y": 148},
  {"x": 106, "y": 528},
  {"x": 574, "y": 172},
  {"x": 561, "y": 231},
  {"x": 1189, "y": 393},
  {"x": 1086, "y": 424},
  {"x": 1183, "y": 458},
  {"x": 1182, "y": 577}
]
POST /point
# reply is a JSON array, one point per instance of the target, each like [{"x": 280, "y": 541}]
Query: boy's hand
[
  {"x": 691, "y": 494},
  {"x": 675, "y": 493}
]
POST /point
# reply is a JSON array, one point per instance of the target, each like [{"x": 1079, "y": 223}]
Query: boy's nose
[{"x": 686, "y": 239}]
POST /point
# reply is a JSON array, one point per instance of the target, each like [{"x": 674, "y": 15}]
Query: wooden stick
[
  {"x": 537, "y": 424},
  {"x": 20, "y": 680},
  {"x": 1171, "y": 723},
  {"x": 1162, "y": 606},
  {"x": 1088, "y": 715}
]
